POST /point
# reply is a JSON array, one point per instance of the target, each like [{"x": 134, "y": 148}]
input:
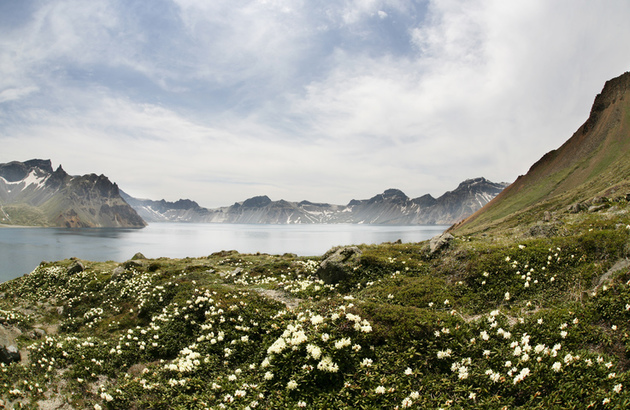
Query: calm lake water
[{"x": 22, "y": 249}]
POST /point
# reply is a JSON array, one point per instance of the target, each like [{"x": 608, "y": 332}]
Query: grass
[{"x": 495, "y": 320}]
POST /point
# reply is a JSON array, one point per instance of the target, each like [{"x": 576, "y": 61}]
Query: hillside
[
  {"x": 522, "y": 323},
  {"x": 391, "y": 207},
  {"x": 32, "y": 194},
  {"x": 593, "y": 164}
]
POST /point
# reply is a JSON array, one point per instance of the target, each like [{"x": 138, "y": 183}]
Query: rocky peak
[
  {"x": 257, "y": 202},
  {"x": 16, "y": 171},
  {"x": 612, "y": 92},
  {"x": 393, "y": 193}
]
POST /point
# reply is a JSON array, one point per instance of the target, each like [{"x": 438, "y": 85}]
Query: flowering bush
[{"x": 527, "y": 323}]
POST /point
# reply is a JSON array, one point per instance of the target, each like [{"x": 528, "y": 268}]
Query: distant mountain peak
[
  {"x": 392, "y": 192},
  {"x": 32, "y": 194},
  {"x": 257, "y": 202}
]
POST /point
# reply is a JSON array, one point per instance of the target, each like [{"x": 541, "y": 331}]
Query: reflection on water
[
  {"x": 22, "y": 249},
  {"x": 93, "y": 232}
]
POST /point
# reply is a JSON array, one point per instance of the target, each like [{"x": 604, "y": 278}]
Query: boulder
[
  {"x": 338, "y": 264},
  {"x": 138, "y": 255},
  {"x": 76, "y": 267},
  {"x": 9, "y": 354},
  {"x": 440, "y": 241}
]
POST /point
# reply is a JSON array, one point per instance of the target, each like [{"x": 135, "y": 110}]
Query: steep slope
[
  {"x": 391, "y": 207},
  {"x": 594, "y": 162},
  {"x": 32, "y": 194}
]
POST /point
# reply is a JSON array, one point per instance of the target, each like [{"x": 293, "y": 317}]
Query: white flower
[
  {"x": 506, "y": 296},
  {"x": 408, "y": 371},
  {"x": 484, "y": 335},
  {"x": 314, "y": 351},
  {"x": 268, "y": 376},
  {"x": 617, "y": 388},
  {"x": 407, "y": 402},
  {"x": 444, "y": 353},
  {"x": 340, "y": 344},
  {"x": 380, "y": 390},
  {"x": 556, "y": 367},
  {"x": 292, "y": 385},
  {"x": 327, "y": 365},
  {"x": 317, "y": 319},
  {"x": 366, "y": 362},
  {"x": 301, "y": 404}
]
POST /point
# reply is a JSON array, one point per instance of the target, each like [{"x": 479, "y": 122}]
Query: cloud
[{"x": 327, "y": 101}]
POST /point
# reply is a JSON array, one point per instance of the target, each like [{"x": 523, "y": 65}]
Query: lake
[{"x": 22, "y": 249}]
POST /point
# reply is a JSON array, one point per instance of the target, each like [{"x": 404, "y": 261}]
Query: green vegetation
[{"x": 497, "y": 320}]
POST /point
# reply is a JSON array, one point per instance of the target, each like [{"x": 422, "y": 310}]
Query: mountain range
[
  {"x": 391, "y": 207},
  {"x": 32, "y": 194}
]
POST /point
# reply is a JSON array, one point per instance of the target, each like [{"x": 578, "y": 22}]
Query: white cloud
[{"x": 219, "y": 101}]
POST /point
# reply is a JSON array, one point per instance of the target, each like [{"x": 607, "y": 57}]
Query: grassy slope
[
  {"x": 593, "y": 162},
  {"x": 407, "y": 327}
]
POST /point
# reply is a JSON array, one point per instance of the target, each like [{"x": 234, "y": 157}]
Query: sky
[{"x": 321, "y": 100}]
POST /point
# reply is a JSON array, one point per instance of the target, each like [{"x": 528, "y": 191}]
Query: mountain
[
  {"x": 32, "y": 194},
  {"x": 391, "y": 207},
  {"x": 591, "y": 167}
]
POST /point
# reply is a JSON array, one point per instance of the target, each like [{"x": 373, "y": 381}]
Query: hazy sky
[{"x": 325, "y": 100}]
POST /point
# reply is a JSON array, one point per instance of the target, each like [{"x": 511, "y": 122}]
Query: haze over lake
[{"x": 22, "y": 249}]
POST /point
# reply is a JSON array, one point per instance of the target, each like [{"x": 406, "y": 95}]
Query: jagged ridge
[
  {"x": 32, "y": 194},
  {"x": 391, "y": 207}
]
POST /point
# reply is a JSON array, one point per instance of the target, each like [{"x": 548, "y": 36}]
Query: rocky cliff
[
  {"x": 391, "y": 207},
  {"x": 32, "y": 194}
]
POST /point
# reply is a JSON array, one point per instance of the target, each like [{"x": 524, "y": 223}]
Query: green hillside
[
  {"x": 517, "y": 323},
  {"x": 594, "y": 162}
]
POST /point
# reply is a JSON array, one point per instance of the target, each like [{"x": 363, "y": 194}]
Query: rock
[
  {"x": 576, "y": 208},
  {"x": 596, "y": 208},
  {"x": 132, "y": 264},
  {"x": 76, "y": 267},
  {"x": 440, "y": 241},
  {"x": 117, "y": 271},
  {"x": 547, "y": 216},
  {"x": 138, "y": 255},
  {"x": 9, "y": 354},
  {"x": 338, "y": 264},
  {"x": 37, "y": 334}
]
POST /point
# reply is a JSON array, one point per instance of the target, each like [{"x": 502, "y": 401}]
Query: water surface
[{"x": 22, "y": 249}]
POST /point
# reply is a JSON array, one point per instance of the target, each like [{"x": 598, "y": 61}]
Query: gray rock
[
  {"x": 37, "y": 333},
  {"x": 596, "y": 208},
  {"x": 576, "y": 208},
  {"x": 338, "y": 264},
  {"x": 132, "y": 264},
  {"x": 9, "y": 354},
  {"x": 138, "y": 255},
  {"x": 439, "y": 242},
  {"x": 76, "y": 267}
]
